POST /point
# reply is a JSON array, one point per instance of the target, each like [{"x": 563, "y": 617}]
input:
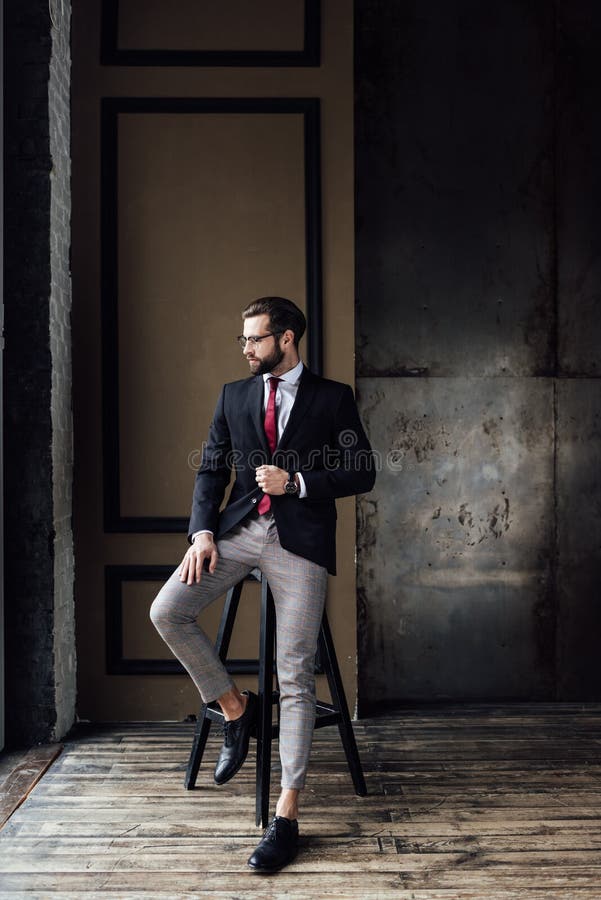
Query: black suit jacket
[{"x": 323, "y": 439}]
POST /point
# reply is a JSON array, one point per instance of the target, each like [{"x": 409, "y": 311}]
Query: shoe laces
[
  {"x": 229, "y": 731},
  {"x": 271, "y": 832}
]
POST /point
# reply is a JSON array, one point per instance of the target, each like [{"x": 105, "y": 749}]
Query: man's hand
[
  {"x": 271, "y": 480},
  {"x": 192, "y": 564}
]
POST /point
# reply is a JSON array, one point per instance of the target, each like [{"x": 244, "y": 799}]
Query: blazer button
[{"x": 254, "y": 500}]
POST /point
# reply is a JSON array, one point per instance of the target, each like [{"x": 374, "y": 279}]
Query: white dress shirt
[{"x": 285, "y": 396}]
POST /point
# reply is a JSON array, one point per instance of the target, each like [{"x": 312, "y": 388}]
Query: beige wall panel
[
  {"x": 211, "y": 215},
  {"x": 102, "y": 697},
  {"x": 227, "y": 25}
]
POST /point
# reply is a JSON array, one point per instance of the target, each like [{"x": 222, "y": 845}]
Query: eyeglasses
[{"x": 254, "y": 339}]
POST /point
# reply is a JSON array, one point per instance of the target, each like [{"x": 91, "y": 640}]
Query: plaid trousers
[{"x": 298, "y": 587}]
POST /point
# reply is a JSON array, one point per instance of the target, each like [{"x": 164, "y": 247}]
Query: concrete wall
[
  {"x": 40, "y": 667},
  {"x": 478, "y": 335}
]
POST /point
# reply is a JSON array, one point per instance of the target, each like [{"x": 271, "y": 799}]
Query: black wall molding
[
  {"x": 113, "y": 55},
  {"x": 111, "y": 108},
  {"x": 116, "y": 662}
]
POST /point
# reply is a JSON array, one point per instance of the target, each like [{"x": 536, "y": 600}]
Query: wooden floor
[{"x": 464, "y": 802}]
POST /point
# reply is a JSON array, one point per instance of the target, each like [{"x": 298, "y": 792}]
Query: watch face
[{"x": 291, "y": 487}]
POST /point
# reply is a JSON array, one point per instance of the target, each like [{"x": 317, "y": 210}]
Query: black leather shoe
[
  {"x": 278, "y": 846},
  {"x": 236, "y": 737}
]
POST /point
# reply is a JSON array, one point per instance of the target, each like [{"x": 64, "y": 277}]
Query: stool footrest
[
  {"x": 327, "y": 719},
  {"x": 325, "y": 714}
]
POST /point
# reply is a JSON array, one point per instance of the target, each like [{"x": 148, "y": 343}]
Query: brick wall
[{"x": 40, "y": 690}]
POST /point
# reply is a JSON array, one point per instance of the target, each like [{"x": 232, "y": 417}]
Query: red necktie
[{"x": 271, "y": 431}]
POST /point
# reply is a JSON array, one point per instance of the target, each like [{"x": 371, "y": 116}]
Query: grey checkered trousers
[{"x": 298, "y": 587}]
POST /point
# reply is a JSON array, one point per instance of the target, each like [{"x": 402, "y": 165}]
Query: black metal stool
[{"x": 335, "y": 713}]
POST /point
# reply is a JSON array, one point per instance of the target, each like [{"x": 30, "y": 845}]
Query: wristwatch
[{"x": 291, "y": 487}]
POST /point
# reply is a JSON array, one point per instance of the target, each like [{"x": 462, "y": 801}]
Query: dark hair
[{"x": 283, "y": 315}]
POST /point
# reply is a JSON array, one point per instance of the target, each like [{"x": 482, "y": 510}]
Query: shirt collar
[{"x": 292, "y": 376}]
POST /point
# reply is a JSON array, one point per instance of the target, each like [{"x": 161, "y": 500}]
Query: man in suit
[{"x": 295, "y": 443}]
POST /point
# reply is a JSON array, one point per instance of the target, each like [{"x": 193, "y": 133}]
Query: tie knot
[{"x": 273, "y": 382}]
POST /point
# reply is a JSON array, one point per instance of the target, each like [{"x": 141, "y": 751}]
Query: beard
[{"x": 269, "y": 362}]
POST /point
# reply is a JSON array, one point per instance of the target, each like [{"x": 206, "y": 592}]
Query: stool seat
[{"x": 335, "y": 713}]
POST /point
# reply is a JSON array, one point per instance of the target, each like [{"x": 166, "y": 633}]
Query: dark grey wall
[
  {"x": 478, "y": 282},
  {"x": 29, "y": 597},
  {"x": 39, "y": 641}
]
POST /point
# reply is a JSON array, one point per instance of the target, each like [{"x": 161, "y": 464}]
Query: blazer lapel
[
  {"x": 256, "y": 398},
  {"x": 302, "y": 403}
]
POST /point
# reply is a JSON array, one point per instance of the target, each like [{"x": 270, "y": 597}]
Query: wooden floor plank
[
  {"x": 322, "y": 883},
  {"x": 24, "y": 776},
  {"x": 378, "y": 842},
  {"x": 576, "y": 831}
]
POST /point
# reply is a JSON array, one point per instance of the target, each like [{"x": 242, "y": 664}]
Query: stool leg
[
  {"x": 203, "y": 724},
  {"x": 265, "y": 690},
  {"x": 345, "y": 728},
  {"x": 226, "y": 623},
  {"x": 201, "y": 733}
]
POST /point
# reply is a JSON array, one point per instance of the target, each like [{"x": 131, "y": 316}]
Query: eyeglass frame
[{"x": 255, "y": 338}]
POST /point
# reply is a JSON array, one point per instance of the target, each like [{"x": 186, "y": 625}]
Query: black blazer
[{"x": 323, "y": 439}]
